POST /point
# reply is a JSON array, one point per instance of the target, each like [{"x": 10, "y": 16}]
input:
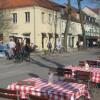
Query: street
[{"x": 39, "y": 64}]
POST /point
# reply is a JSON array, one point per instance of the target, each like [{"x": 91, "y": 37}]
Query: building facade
[
  {"x": 41, "y": 21},
  {"x": 34, "y": 21},
  {"x": 92, "y": 26}
]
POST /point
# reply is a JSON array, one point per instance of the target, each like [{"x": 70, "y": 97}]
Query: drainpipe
[
  {"x": 34, "y": 26},
  {"x": 55, "y": 25}
]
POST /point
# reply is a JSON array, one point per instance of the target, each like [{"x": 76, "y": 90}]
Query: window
[
  {"x": 93, "y": 20},
  {"x": 43, "y": 16},
  {"x": 70, "y": 41},
  {"x": 50, "y": 18},
  {"x": 14, "y": 17},
  {"x": 87, "y": 18},
  {"x": 27, "y": 16},
  {"x": 27, "y": 37}
]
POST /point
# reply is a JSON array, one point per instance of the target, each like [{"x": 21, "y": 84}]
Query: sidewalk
[{"x": 70, "y": 51}]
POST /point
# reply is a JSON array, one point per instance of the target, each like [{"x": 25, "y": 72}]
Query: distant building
[{"x": 92, "y": 25}]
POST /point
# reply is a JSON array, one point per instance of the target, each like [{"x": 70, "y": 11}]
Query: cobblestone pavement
[{"x": 38, "y": 66}]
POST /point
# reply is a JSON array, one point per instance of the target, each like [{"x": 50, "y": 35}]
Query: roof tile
[{"x": 6, "y": 4}]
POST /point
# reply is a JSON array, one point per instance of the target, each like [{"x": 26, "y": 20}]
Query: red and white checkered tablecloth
[
  {"x": 95, "y": 72},
  {"x": 57, "y": 91}
]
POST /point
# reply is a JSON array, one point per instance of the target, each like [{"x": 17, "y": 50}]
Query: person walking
[
  {"x": 11, "y": 50},
  {"x": 59, "y": 46},
  {"x": 49, "y": 46},
  {"x": 78, "y": 45},
  {"x": 12, "y": 44},
  {"x": 27, "y": 50}
]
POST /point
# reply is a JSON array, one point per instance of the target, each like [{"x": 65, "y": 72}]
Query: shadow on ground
[
  {"x": 33, "y": 75},
  {"x": 56, "y": 64}
]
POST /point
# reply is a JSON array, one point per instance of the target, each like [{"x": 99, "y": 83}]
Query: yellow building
[{"x": 36, "y": 21}]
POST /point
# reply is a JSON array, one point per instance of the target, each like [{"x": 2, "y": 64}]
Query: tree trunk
[
  {"x": 67, "y": 25},
  {"x": 82, "y": 23}
]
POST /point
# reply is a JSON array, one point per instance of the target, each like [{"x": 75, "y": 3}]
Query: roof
[
  {"x": 95, "y": 10},
  {"x": 7, "y": 4},
  {"x": 73, "y": 14}
]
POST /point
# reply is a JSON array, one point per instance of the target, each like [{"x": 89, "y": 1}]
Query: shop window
[
  {"x": 27, "y": 37},
  {"x": 50, "y": 35},
  {"x": 43, "y": 36}
]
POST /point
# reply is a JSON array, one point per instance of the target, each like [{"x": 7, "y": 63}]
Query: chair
[
  {"x": 68, "y": 71},
  {"x": 9, "y": 94},
  {"x": 60, "y": 72},
  {"x": 92, "y": 63},
  {"x": 81, "y": 63},
  {"x": 85, "y": 78},
  {"x": 69, "y": 78},
  {"x": 98, "y": 63},
  {"x": 34, "y": 97},
  {"x": 82, "y": 75}
]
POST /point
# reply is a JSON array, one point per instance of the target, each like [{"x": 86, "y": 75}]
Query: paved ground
[{"x": 11, "y": 72}]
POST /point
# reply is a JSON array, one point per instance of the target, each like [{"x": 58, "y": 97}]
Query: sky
[{"x": 83, "y": 3}]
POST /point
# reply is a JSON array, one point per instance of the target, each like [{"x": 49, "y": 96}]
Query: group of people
[
  {"x": 18, "y": 50},
  {"x": 58, "y": 46}
]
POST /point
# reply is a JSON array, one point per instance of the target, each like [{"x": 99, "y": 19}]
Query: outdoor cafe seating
[
  {"x": 59, "y": 90},
  {"x": 95, "y": 72},
  {"x": 94, "y": 77},
  {"x": 9, "y": 94},
  {"x": 92, "y": 63}
]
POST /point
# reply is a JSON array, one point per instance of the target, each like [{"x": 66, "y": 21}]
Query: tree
[
  {"x": 81, "y": 22},
  {"x": 67, "y": 24},
  {"x": 4, "y": 22}
]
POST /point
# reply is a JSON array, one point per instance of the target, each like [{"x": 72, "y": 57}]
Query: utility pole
[
  {"x": 82, "y": 23},
  {"x": 68, "y": 7}
]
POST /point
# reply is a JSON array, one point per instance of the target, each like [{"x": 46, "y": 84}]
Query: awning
[
  {"x": 19, "y": 36},
  {"x": 12, "y": 34}
]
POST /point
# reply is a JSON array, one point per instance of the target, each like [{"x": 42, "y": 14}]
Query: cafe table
[
  {"x": 58, "y": 90},
  {"x": 95, "y": 77}
]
